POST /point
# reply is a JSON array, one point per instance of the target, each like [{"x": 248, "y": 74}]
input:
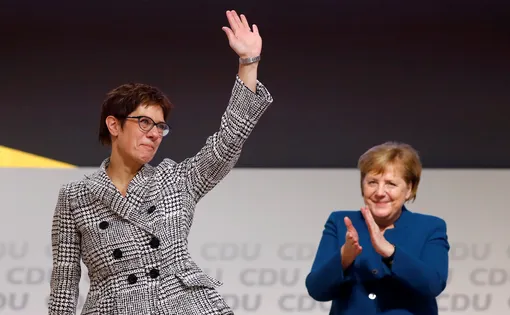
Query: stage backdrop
[{"x": 271, "y": 222}]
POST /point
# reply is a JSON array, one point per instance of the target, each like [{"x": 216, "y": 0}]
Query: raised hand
[
  {"x": 351, "y": 248},
  {"x": 379, "y": 242},
  {"x": 243, "y": 40}
]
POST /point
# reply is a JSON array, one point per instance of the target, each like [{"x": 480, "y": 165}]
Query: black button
[
  {"x": 103, "y": 225},
  {"x": 117, "y": 253},
  {"x": 154, "y": 243},
  {"x": 132, "y": 279},
  {"x": 151, "y": 209},
  {"x": 154, "y": 273}
]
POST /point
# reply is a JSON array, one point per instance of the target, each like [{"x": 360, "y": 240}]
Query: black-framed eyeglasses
[{"x": 147, "y": 123}]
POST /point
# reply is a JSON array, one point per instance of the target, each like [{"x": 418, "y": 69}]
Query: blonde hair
[{"x": 401, "y": 155}]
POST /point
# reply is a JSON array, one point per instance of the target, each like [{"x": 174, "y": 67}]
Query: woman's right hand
[{"x": 351, "y": 248}]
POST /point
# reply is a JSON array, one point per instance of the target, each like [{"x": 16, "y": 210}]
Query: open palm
[
  {"x": 243, "y": 40},
  {"x": 351, "y": 248},
  {"x": 379, "y": 242}
]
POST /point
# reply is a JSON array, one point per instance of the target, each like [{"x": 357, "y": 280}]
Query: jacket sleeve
[
  {"x": 428, "y": 273},
  {"x": 327, "y": 275},
  {"x": 222, "y": 150},
  {"x": 66, "y": 271}
]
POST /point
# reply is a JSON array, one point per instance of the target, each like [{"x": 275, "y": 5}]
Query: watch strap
[{"x": 246, "y": 61}]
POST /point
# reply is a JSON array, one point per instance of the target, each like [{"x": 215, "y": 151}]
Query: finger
[
  {"x": 368, "y": 219},
  {"x": 367, "y": 215},
  {"x": 232, "y": 21},
  {"x": 237, "y": 19},
  {"x": 229, "y": 32},
  {"x": 245, "y": 21},
  {"x": 371, "y": 219},
  {"x": 351, "y": 228},
  {"x": 348, "y": 224},
  {"x": 351, "y": 241},
  {"x": 353, "y": 235},
  {"x": 236, "y": 22},
  {"x": 255, "y": 29},
  {"x": 362, "y": 209}
]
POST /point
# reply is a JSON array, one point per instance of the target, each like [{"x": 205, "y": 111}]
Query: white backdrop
[{"x": 272, "y": 222}]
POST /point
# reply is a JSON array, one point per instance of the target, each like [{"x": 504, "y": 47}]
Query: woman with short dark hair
[{"x": 129, "y": 221}]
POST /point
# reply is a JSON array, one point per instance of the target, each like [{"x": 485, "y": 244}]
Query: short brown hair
[
  {"x": 377, "y": 158},
  {"x": 125, "y": 99}
]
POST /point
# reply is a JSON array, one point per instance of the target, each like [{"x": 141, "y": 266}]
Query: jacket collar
[
  {"x": 403, "y": 221},
  {"x": 132, "y": 207}
]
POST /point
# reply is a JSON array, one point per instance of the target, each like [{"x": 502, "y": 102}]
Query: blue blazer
[{"x": 409, "y": 285}]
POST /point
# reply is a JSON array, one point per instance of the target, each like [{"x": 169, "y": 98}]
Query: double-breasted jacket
[{"x": 135, "y": 247}]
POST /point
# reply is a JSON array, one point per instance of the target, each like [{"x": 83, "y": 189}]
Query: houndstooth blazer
[{"x": 135, "y": 247}]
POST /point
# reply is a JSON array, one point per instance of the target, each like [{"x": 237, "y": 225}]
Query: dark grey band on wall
[{"x": 344, "y": 78}]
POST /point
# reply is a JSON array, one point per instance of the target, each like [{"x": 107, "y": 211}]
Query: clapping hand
[
  {"x": 351, "y": 248},
  {"x": 243, "y": 40},
  {"x": 379, "y": 242}
]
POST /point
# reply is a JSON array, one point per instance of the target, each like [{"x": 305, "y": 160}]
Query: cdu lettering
[
  {"x": 462, "y": 251},
  {"x": 13, "y": 250},
  {"x": 245, "y": 302},
  {"x": 230, "y": 251},
  {"x": 296, "y": 252},
  {"x": 13, "y": 301},
  {"x": 268, "y": 277},
  {"x": 301, "y": 303},
  {"x": 29, "y": 276},
  {"x": 464, "y": 302},
  {"x": 491, "y": 276}
]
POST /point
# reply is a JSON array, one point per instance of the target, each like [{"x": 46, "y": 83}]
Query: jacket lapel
[
  {"x": 141, "y": 195},
  {"x": 132, "y": 207},
  {"x": 397, "y": 235}
]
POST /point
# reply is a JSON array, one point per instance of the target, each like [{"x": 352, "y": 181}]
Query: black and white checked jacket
[{"x": 135, "y": 247}]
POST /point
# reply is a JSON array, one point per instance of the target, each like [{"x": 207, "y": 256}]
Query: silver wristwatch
[{"x": 246, "y": 61}]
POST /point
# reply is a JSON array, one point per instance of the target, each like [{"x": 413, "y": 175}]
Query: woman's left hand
[
  {"x": 244, "y": 41},
  {"x": 379, "y": 242}
]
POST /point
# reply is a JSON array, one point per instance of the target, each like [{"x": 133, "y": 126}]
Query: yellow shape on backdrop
[{"x": 19, "y": 159}]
